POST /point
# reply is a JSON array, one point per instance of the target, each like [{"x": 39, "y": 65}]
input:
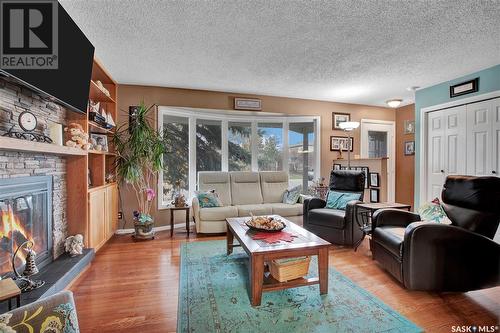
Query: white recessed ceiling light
[{"x": 394, "y": 103}]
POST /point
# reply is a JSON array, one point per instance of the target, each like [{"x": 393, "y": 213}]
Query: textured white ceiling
[{"x": 352, "y": 51}]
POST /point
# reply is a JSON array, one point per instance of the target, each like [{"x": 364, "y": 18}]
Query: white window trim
[{"x": 226, "y": 116}]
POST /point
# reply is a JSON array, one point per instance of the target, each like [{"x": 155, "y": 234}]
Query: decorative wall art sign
[
  {"x": 252, "y": 104},
  {"x": 464, "y": 88},
  {"x": 338, "y": 143}
]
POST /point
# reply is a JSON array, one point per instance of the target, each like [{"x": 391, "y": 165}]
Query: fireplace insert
[{"x": 26, "y": 213}]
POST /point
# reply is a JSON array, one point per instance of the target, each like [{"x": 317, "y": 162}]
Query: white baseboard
[{"x": 156, "y": 229}]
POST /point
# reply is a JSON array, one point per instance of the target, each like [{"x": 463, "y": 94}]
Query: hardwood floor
[{"x": 133, "y": 287}]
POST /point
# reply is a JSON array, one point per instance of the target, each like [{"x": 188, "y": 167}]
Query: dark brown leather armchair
[
  {"x": 439, "y": 257},
  {"x": 335, "y": 225}
]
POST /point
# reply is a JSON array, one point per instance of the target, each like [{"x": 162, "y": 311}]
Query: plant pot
[{"x": 144, "y": 230}]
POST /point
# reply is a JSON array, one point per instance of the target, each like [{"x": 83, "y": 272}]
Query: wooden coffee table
[{"x": 306, "y": 244}]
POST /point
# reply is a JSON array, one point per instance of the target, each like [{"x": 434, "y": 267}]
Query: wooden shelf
[
  {"x": 96, "y": 128},
  {"x": 101, "y": 152},
  {"x": 38, "y": 147},
  {"x": 97, "y": 95},
  {"x": 100, "y": 187}
]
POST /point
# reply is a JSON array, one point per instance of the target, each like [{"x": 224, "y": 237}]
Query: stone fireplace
[{"x": 26, "y": 215}]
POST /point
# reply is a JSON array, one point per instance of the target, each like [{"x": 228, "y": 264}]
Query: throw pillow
[
  {"x": 339, "y": 200},
  {"x": 209, "y": 199},
  {"x": 292, "y": 195},
  {"x": 433, "y": 212}
]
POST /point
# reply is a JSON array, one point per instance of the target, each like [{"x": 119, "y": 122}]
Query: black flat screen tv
[{"x": 69, "y": 83}]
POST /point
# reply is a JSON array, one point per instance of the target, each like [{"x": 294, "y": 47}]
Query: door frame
[
  {"x": 422, "y": 150},
  {"x": 391, "y": 190}
]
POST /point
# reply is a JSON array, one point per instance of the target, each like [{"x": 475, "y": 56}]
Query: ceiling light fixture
[{"x": 394, "y": 103}]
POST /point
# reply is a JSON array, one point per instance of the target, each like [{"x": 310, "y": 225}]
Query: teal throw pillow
[
  {"x": 208, "y": 199},
  {"x": 292, "y": 195},
  {"x": 433, "y": 212},
  {"x": 339, "y": 200}
]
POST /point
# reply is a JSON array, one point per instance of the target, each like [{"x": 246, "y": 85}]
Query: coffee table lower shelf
[{"x": 271, "y": 284}]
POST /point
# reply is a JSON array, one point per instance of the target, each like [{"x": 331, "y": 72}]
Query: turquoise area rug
[{"x": 213, "y": 297}]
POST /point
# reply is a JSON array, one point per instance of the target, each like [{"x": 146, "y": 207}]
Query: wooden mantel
[{"x": 20, "y": 145}]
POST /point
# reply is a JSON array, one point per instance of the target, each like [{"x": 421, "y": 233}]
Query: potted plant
[{"x": 139, "y": 148}]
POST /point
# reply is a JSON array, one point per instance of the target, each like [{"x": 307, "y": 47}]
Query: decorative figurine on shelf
[
  {"x": 74, "y": 245},
  {"x": 179, "y": 199},
  {"x": 77, "y": 137}
]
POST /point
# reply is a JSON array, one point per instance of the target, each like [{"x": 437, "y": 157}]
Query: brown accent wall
[
  {"x": 132, "y": 95},
  {"x": 405, "y": 165}
]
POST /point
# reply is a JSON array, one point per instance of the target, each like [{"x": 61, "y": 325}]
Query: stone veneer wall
[{"x": 14, "y": 100}]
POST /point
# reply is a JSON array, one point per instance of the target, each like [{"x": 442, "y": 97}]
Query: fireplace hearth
[{"x": 26, "y": 215}]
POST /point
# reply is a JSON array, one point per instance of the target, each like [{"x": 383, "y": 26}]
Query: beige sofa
[{"x": 242, "y": 193}]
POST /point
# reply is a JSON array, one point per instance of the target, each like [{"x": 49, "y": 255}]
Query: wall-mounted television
[{"x": 69, "y": 83}]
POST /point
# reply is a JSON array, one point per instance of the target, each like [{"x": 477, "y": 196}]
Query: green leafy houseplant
[{"x": 139, "y": 148}]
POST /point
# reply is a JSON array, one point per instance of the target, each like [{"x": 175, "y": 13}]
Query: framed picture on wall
[
  {"x": 338, "y": 118},
  {"x": 337, "y": 166},
  {"x": 409, "y": 126},
  {"x": 366, "y": 171},
  {"x": 374, "y": 179},
  {"x": 409, "y": 148},
  {"x": 338, "y": 143},
  {"x": 374, "y": 195}
]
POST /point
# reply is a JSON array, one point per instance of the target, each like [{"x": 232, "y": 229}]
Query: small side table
[
  {"x": 8, "y": 291},
  {"x": 365, "y": 212},
  {"x": 172, "y": 210}
]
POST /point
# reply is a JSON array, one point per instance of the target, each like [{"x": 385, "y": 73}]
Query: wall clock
[{"x": 27, "y": 121}]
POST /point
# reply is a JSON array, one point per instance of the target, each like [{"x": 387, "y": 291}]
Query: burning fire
[
  {"x": 11, "y": 223},
  {"x": 12, "y": 234}
]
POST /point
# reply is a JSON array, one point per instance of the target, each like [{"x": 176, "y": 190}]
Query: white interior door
[
  {"x": 479, "y": 139},
  {"x": 495, "y": 121},
  {"x": 377, "y": 140},
  {"x": 446, "y": 141},
  {"x": 455, "y": 140},
  {"x": 435, "y": 154}
]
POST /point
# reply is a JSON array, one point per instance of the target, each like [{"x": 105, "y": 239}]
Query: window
[
  {"x": 301, "y": 154},
  {"x": 377, "y": 144},
  {"x": 239, "y": 137},
  {"x": 208, "y": 145},
  {"x": 203, "y": 140},
  {"x": 176, "y": 159},
  {"x": 270, "y": 148}
]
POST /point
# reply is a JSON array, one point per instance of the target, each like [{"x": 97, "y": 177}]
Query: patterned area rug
[{"x": 213, "y": 297}]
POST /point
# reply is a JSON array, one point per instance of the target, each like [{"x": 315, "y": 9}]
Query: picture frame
[
  {"x": 366, "y": 171},
  {"x": 341, "y": 142},
  {"x": 337, "y": 166},
  {"x": 409, "y": 127},
  {"x": 374, "y": 195},
  {"x": 464, "y": 88},
  {"x": 409, "y": 148},
  {"x": 374, "y": 179},
  {"x": 251, "y": 104},
  {"x": 338, "y": 118},
  {"x": 101, "y": 141}
]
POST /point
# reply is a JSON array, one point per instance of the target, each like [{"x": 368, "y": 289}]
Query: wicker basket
[{"x": 289, "y": 269}]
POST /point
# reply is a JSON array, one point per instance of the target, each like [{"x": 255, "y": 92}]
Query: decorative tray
[{"x": 265, "y": 224}]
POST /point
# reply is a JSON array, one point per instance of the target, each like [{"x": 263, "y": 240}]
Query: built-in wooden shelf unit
[{"x": 92, "y": 200}]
